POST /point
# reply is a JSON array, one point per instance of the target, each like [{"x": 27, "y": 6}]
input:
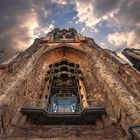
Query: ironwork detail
[{"x": 64, "y": 90}]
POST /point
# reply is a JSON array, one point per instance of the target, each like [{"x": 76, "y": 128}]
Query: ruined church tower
[{"x": 67, "y": 87}]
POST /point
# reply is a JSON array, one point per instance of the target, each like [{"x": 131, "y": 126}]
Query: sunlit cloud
[
  {"x": 63, "y": 2},
  {"x": 42, "y": 31},
  {"x": 86, "y": 13},
  {"x": 120, "y": 39},
  {"x": 29, "y": 22}
]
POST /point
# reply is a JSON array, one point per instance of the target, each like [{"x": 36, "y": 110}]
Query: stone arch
[{"x": 63, "y": 52}]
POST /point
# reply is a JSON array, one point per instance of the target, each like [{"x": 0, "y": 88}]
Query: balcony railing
[
  {"x": 42, "y": 104},
  {"x": 43, "y": 113}
]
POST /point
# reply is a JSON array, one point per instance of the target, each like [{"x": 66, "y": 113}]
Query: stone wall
[
  {"x": 120, "y": 101},
  {"x": 104, "y": 78},
  {"x": 23, "y": 85}
]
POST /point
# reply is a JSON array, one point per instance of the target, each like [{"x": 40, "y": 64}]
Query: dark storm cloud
[
  {"x": 129, "y": 12},
  {"x": 11, "y": 14},
  {"x": 129, "y": 15},
  {"x": 19, "y": 19},
  {"x": 23, "y": 20},
  {"x": 103, "y": 7}
]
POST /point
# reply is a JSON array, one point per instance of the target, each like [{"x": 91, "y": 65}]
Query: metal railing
[{"x": 43, "y": 104}]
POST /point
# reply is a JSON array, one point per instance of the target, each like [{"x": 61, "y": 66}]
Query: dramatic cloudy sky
[{"x": 114, "y": 24}]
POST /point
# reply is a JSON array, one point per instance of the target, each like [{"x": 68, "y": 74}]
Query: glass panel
[{"x": 64, "y": 104}]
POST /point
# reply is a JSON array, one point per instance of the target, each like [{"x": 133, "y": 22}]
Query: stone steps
[
  {"x": 58, "y": 132},
  {"x": 95, "y": 138}
]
